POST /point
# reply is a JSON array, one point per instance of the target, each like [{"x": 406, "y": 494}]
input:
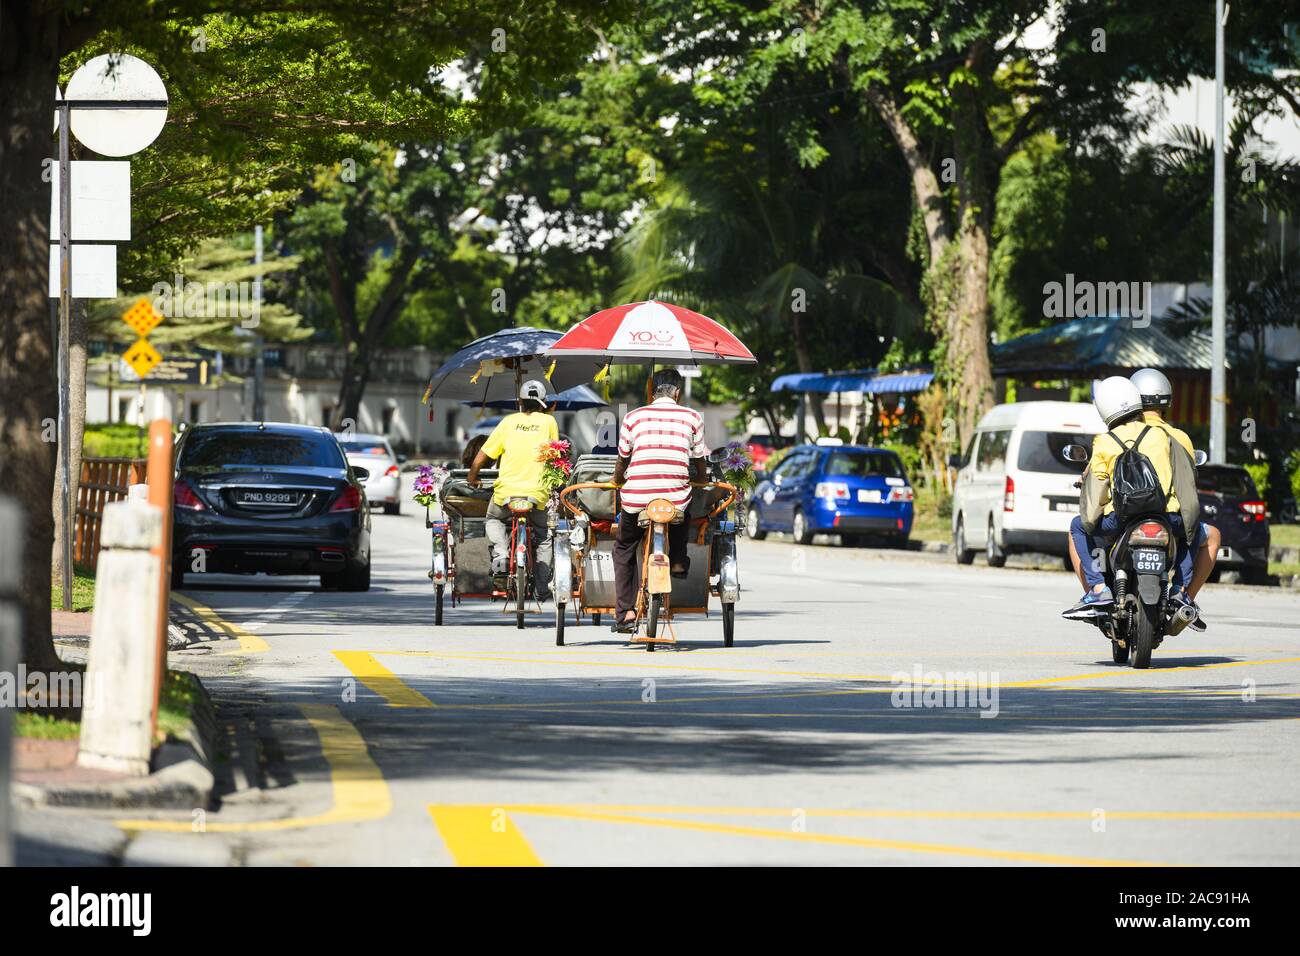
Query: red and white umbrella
[{"x": 651, "y": 332}]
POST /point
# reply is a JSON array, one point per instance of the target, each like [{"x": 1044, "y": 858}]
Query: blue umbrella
[
  {"x": 491, "y": 369},
  {"x": 570, "y": 400}
]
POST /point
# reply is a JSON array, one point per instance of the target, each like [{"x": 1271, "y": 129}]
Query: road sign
[
  {"x": 142, "y": 317},
  {"x": 129, "y": 83},
  {"x": 142, "y": 357}
]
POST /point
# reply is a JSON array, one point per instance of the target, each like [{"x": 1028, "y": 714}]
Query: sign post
[{"x": 118, "y": 104}]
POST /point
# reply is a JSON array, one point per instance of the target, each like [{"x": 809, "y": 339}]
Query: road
[{"x": 355, "y": 732}]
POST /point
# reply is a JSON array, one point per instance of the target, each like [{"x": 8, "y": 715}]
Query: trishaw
[
  {"x": 645, "y": 333},
  {"x": 583, "y": 564},
  {"x": 461, "y": 557}
]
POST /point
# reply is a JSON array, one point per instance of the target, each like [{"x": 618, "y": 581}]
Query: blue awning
[{"x": 865, "y": 380}]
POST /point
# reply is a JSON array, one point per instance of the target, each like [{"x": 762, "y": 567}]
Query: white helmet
[
  {"x": 1154, "y": 387},
  {"x": 1116, "y": 398}
]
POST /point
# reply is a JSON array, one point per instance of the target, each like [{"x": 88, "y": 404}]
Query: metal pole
[
  {"x": 65, "y": 312},
  {"x": 159, "y": 478},
  {"x": 1218, "y": 350},
  {"x": 259, "y": 362},
  {"x": 11, "y": 619}
]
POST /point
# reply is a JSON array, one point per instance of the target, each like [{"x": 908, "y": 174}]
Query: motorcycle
[{"x": 1138, "y": 568}]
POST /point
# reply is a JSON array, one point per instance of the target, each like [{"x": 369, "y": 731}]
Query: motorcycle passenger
[
  {"x": 1157, "y": 396},
  {"x": 517, "y": 443},
  {"x": 1119, "y": 403}
]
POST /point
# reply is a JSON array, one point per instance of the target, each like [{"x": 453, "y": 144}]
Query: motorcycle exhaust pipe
[{"x": 1182, "y": 617}]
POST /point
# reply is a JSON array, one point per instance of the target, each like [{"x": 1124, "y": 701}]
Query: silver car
[{"x": 375, "y": 454}]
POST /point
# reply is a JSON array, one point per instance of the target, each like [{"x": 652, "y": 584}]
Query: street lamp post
[{"x": 1219, "y": 279}]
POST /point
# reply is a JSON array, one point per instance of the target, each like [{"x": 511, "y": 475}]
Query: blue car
[{"x": 849, "y": 490}]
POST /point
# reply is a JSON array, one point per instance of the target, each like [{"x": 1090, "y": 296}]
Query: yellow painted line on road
[
  {"x": 639, "y": 666},
  {"x": 1115, "y": 672},
  {"x": 905, "y": 846},
  {"x": 885, "y": 814},
  {"x": 359, "y": 790},
  {"x": 248, "y": 643},
  {"x": 381, "y": 680},
  {"x": 482, "y": 836}
]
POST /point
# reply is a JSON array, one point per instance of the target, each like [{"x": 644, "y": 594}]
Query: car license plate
[
  {"x": 1071, "y": 506},
  {"x": 266, "y": 498},
  {"x": 869, "y": 495},
  {"x": 1149, "y": 562}
]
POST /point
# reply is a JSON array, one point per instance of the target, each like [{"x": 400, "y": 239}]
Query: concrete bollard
[
  {"x": 117, "y": 713},
  {"x": 11, "y": 619}
]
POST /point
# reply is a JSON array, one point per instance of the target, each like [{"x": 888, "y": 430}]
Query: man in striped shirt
[{"x": 660, "y": 448}]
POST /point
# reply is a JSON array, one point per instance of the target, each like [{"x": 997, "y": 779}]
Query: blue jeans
[{"x": 1108, "y": 527}]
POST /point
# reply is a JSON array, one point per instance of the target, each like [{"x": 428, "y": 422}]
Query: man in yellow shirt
[
  {"x": 517, "y": 443},
  {"x": 1119, "y": 403}
]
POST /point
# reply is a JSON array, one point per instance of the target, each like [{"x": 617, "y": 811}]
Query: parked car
[
  {"x": 273, "y": 498},
  {"x": 375, "y": 455},
  {"x": 830, "y": 488},
  {"x": 1231, "y": 502},
  {"x": 760, "y": 448},
  {"x": 1014, "y": 492}
]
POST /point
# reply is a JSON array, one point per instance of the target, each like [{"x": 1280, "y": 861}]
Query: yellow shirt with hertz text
[{"x": 516, "y": 443}]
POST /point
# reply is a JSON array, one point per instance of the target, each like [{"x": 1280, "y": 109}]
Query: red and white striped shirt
[{"x": 660, "y": 439}]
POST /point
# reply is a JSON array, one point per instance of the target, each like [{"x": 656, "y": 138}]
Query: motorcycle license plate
[{"x": 1149, "y": 562}]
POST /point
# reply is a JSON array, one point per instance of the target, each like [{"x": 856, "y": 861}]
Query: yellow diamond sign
[
  {"x": 142, "y": 357},
  {"x": 142, "y": 317}
]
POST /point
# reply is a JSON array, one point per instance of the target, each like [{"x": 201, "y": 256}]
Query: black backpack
[{"x": 1135, "y": 488}]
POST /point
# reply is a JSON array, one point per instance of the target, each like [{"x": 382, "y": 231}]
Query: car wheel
[
  {"x": 963, "y": 554},
  {"x": 752, "y": 526},
  {"x": 393, "y": 509},
  {"x": 800, "y": 530},
  {"x": 900, "y": 541},
  {"x": 993, "y": 554}
]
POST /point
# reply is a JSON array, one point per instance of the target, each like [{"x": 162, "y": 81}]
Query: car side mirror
[
  {"x": 401, "y": 459},
  {"x": 760, "y": 476},
  {"x": 361, "y": 474},
  {"x": 955, "y": 461},
  {"x": 1075, "y": 453},
  {"x": 1199, "y": 457}
]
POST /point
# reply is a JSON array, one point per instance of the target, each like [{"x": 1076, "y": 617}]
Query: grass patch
[
  {"x": 928, "y": 523},
  {"x": 179, "y": 691},
  {"x": 29, "y": 723},
  {"x": 1284, "y": 535},
  {"x": 83, "y": 592}
]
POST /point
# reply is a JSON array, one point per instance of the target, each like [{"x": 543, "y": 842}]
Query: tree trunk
[
  {"x": 356, "y": 375},
  {"x": 77, "y": 338},
  {"x": 968, "y": 352},
  {"x": 29, "y": 61}
]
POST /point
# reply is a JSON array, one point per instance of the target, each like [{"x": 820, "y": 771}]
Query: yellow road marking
[
  {"x": 381, "y": 680},
  {"x": 916, "y": 814},
  {"x": 1043, "y": 681},
  {"x": 482, "y": 836},
  {"x": 906, "y": 846},
  {"x": 359, "y": 789},
  {"x": 248, "y": 643}
]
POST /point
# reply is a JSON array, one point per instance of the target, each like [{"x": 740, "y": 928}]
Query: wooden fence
[{"x": 103, "y": 480}]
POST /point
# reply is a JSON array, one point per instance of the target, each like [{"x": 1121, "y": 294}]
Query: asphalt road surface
[{"x": 355, "y": 732}]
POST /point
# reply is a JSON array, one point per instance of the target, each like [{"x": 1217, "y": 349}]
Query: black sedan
[
  {"x": 274, "y": 498},
  {"x": 1230, "y": 502}
]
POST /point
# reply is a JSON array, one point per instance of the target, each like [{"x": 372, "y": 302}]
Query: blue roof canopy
[{"x": 863, "y": 380}]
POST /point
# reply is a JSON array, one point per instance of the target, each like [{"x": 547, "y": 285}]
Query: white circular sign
[{"x": 117, "y": 76}]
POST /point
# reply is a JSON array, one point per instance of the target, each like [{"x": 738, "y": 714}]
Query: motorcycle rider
[
  {"x": 517, "y": 442},
  {"x": 1157, "y": 397},
  {"x": 1119, "y": 403}
]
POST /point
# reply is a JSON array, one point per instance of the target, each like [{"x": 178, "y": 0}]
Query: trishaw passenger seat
[
  {"x": 600, "y": 503},
  {"x": 460, "y": 498}
]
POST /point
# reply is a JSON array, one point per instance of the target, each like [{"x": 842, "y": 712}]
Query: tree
[{"x": 314, "y": 85}]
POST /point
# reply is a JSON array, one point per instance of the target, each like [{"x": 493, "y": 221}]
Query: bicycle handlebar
[{"x": 606, "y": 485}]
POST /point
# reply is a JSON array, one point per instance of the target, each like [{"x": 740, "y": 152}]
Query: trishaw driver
[
  {"x": 660, "y": 446},
  {"x": 517, "y": 444}
]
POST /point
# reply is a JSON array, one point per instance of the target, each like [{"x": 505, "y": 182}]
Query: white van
[{"x": 1014, "y": 492}]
